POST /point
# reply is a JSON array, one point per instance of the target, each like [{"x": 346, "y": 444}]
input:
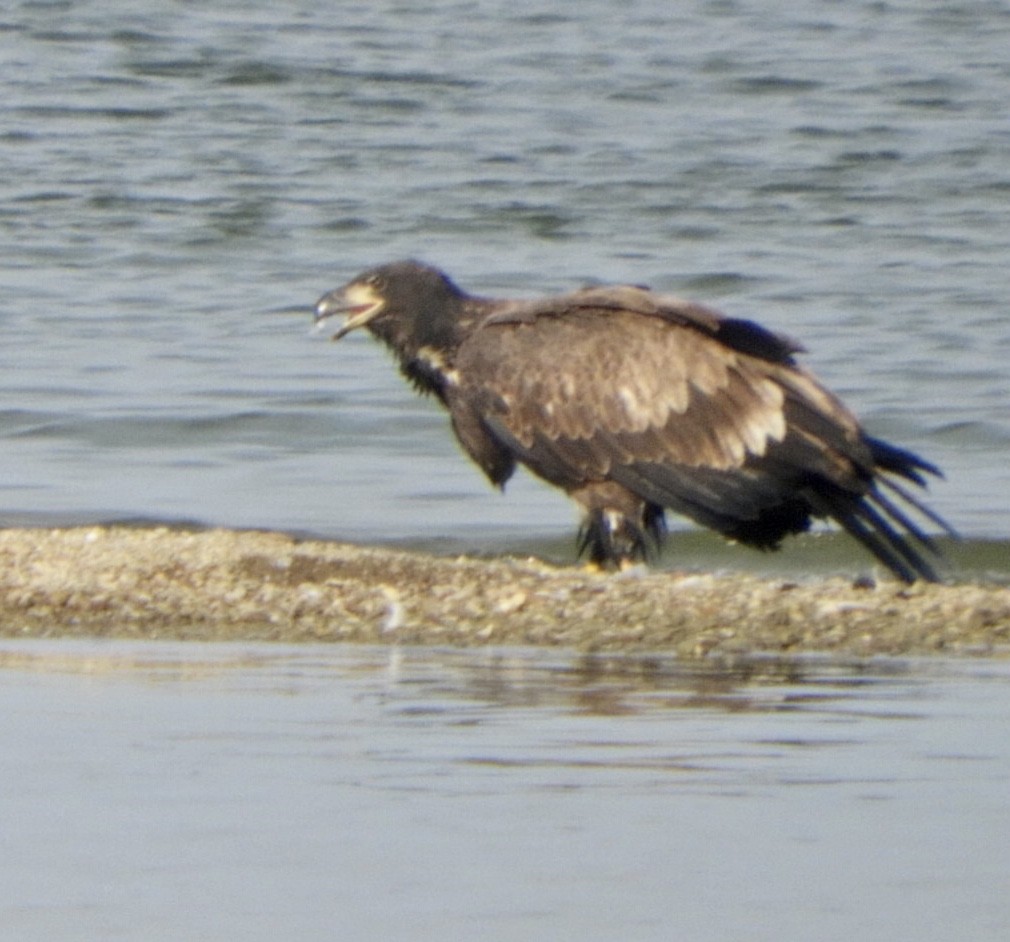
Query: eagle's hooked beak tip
[{"x": 328, "y": 307}]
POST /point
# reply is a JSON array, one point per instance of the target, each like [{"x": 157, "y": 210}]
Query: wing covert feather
[{"x": 595, "y": 379}]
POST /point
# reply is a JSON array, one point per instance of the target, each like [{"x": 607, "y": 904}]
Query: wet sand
[{"x": 220, "y": 585}]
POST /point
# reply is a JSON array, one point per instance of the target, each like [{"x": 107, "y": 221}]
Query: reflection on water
[
  {"x": 592, "y": 683},
  {"x": 171, "y": 791}
]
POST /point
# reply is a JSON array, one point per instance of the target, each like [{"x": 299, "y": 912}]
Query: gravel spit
[{"x": 219, "y": 585}]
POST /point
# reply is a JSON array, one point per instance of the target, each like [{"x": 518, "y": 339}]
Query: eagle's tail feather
[{"x": 883, "y": 528}]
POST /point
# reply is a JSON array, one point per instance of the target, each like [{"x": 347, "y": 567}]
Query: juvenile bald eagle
[{"x": 633, "y": 402}]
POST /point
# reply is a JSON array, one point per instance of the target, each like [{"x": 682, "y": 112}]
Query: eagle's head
[{"x": 406, "y": 304}]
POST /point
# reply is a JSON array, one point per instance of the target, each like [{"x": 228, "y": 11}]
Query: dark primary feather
[{"x": 633, "y": 402}]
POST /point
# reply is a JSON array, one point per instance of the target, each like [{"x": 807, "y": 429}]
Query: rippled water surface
[
  {"x": 167, "y": 791},
  {"x": 179, "y": 182}
]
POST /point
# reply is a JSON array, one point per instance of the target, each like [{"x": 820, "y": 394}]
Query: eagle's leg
[{"x": 618, "y": 527}]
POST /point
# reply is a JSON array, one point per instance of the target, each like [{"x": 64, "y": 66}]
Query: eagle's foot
[{"x": 613, "y": 540}]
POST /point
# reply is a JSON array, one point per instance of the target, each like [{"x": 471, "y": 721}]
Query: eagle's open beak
[{"x": 358, "y": 302}]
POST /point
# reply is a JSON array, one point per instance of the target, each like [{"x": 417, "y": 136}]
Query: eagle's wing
[
  {"x": 708, "y": 416},
  {"x": 591, "y": 387}
]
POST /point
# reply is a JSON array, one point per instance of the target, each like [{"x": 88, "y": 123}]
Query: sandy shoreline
[{"x": 220, "y": 585}]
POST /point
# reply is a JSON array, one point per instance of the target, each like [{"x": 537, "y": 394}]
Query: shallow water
[
  {"x": 179, "y": 183},
  {"x": 167, "y": 791}
]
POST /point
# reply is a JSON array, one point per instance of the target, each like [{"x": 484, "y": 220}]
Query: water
[
  {"x": 179, "y": 183},
  {"x": 167, "y": 791}
]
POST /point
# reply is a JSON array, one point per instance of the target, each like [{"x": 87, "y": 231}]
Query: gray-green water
[
  {"x": 168, "y": 791},
  {"x": 180, "y": 181}
]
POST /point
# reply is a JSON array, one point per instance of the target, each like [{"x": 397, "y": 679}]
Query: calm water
[
  {"x": 180, "y": 181},
  {"x": 166, "y": 791}
]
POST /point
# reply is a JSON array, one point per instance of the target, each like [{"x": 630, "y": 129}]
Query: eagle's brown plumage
[{"x": 633, "y": 402}]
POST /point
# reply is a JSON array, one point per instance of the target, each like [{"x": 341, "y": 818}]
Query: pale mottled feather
[{"x": 702, "y": 404}]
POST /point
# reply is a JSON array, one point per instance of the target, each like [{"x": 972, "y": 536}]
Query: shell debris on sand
[{"x": 160, "y": 582}]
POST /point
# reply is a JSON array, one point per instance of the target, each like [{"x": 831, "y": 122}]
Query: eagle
[{"x": 635, "y": 402}]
